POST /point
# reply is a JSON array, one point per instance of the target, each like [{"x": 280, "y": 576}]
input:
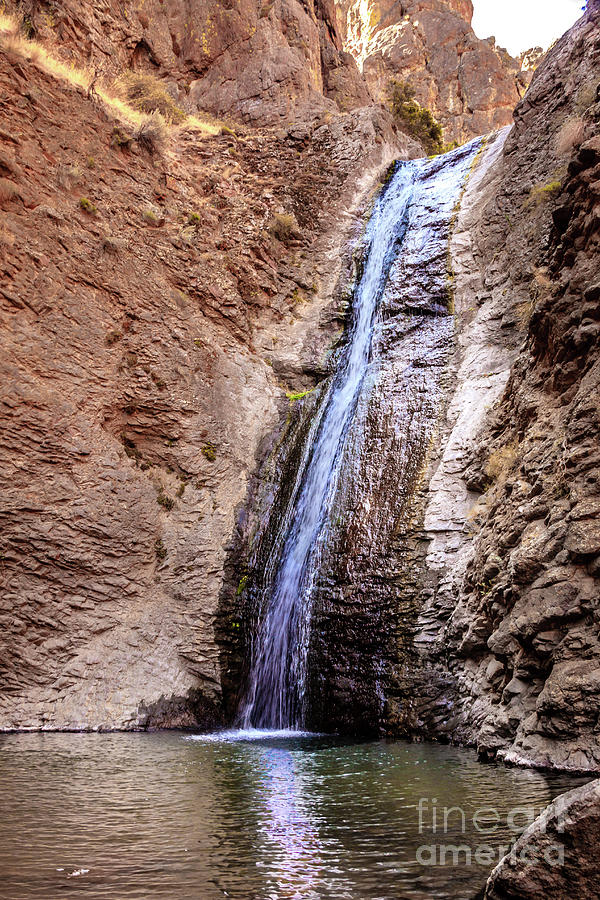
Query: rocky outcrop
[
  {"x": 558, "y": 854},
  {"x": 519, "y": 656},
  {"x": 471, "y": 85},
  {"x": 257, "y": 62},
  {"x": 155, "y": 309}
]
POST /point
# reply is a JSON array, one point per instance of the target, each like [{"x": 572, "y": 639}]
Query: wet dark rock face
[
  {"x": 364, "y": 607},
  {"x": 363, "y": 601}
]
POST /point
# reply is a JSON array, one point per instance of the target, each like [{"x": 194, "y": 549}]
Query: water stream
[{"x": 276, "y": 694}]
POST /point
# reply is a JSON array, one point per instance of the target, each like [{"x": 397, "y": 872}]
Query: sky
[{"x": 521, "y": 24}]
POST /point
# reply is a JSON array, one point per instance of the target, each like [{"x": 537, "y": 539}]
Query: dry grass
[
  {"x": 570, "y": 136},
  {"x": 135, "y": 101},
  {"x": 8, "y": 190},
  {"x": 148, "y": 94},
  {"x": 284, "y": 227},
  {"x": 153, "y": 133},
  {"x": 500, "y": 462},
  {"x": 586, "y": 96}
]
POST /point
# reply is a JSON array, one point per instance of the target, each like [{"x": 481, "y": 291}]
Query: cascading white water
[{"x": 278, "y": 673}]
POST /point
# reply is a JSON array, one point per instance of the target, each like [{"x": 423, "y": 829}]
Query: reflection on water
[{"x": 289, "y": 818}]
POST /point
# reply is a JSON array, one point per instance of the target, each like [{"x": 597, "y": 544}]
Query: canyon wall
[
  {"x": 156, "y": 307},
  {"x": 471, "y": 85},
  {"x": 265, "y": 63},
  {"x": 512, "y": 516}
]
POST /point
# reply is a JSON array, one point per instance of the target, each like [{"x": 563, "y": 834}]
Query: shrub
[
  {"x": 160, "y": 550},
  {"x": 112, "y": 244},
  {"x": 112, "y": 337},
  {"x": 148, "y": 94},
  {"x": 570, "y": 136},
  {"x": 413, "y": 118},
  {"x": 152, "y": 133},
  {"x": 292, "y": 397},
  {"x": 121, "y": 138},
  {"x": 209, "y": 452},
  {"x": 500, "y": 462},
  {"x": 284, "y": 227},
  {"x": 541, "y": 192},
  {"x": 150, "y": 217},
  {"x": 164, "y": 500},
  {"x": 87, "y": 206}
]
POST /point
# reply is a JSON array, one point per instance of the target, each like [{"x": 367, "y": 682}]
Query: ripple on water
[{"x": 283, "y": 816}]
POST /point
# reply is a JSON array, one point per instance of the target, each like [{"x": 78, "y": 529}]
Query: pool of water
[{"x": 253, "y": 817}]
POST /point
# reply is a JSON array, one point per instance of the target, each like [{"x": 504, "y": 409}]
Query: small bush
[
  {"x": 413, "y": 118},
  {"x": 87, "y": 206},
  {"x": 292, "y": 397},
  {"x": 500, "y": 462},
  {"x": 111, "y": 244},
  {"x": 586, "y": 97},
  {"x": 284, "y": 227},
  {"x": 194, "y": 218},
  {"x": 112, "y": 337},
  {"x": 150, "y": 217},
  {"x": 152, "y": 133},
  {"x": 121, "y": 138},
  {"x": 148, "y": 94},
  {"x": 160, "y": 550},
  {"x": 209, "y": 452},
  {"x": 570, "y": 136},
  {"x": 164, "y": 500},
  {"x": 540, "y": 193}
]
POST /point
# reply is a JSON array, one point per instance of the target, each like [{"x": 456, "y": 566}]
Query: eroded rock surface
[
  {"x": 558, "y": 854},
  {"x": 520, "y": 648},
  {"x": 151, "y": 323},
  {"x": 471, "y": 85},
  {"x": 258, "y": 62}
]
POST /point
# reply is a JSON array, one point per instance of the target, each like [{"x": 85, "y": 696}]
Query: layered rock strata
[
  {"x": 264, "y": 63},
  {"x": 519, "y": 658},
  {"x": 155, "y": 309}
]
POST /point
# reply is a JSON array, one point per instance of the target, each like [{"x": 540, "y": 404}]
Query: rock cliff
[
  {"x": 156, "y": 306},
  {"x": 516, "y": 572},
  {"x": 258, "y": 62},
  {"x": 471, "y": 85}
]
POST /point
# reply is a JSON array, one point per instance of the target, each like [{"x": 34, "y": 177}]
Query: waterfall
[{"x": 275, "y": 697}]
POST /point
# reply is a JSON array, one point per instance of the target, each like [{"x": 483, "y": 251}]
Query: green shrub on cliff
[{"x": 416, "y": 120}]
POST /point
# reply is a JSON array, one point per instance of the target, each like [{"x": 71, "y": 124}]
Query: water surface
[{"x": 162, "y": 815}]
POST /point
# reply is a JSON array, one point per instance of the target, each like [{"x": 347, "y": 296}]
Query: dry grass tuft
[
  {"x": 148, "y": 94},
  {"x": 153, "y": 133},
  {"x": 570, "y": 136},
  {"x": 8, "y": 190},
  {"x": 500, "y": 462},
  {"x": 284, "y": 227}
]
